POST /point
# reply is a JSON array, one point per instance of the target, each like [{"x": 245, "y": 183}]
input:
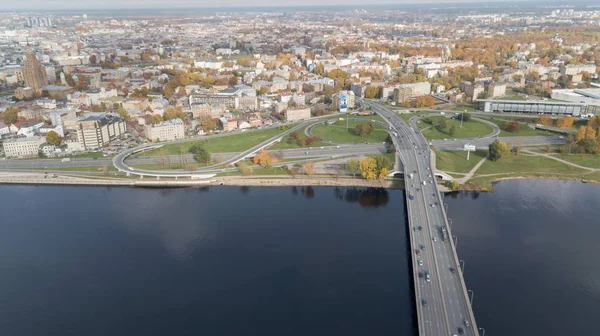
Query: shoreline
[
  {"x": 240, "y": 181},
  {"x": 274, "y": 181}
]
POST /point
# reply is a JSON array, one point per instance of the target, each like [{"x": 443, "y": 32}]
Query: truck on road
[
  {"x": 444, "y": 234},
  {"x": 66, "y": 160}
]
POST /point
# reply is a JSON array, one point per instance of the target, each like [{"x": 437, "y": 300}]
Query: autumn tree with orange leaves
[
  {"x": 263, "y": 159},
  {"x": 565, "y": 122}
]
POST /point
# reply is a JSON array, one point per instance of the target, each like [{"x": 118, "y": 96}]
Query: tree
[
  {"x": 580, "y": 133},
  {"x": 123, "y": 112},
  {"x": 594, "y": 122},
  {"x": 11, "y": 115},
  {"x": 368, "y": 168},
  {"x": 208, "y": 124},
  {"x": 263, "y": 159},
  {"x": 382, "y": 162},
  {"x": 441, "y": 124},
  {"x": 545, "y": 120},
  {"x": 424, "y": 101},
  {"x": 233, "y": 81},
  {"x": 363, "y": 129},
  {"x": 245, "y": 168},
  {"x": 372, "y": 92},
  {"x": 452, "y": 130},
  {"x": 309, "y": 168},
  {"x": 292, "y": 138},
  {"x": 201, "y": 155},
  {"x": 565, "y": 122},
  {"x": 53, "y": 138},
  {"x": 590, "y": 132},
  {"x": 511, "y": 126},
  {"x": 383, "y": 173},
  {"x": 353, "y": 167},
  {"x": 497, "y": 150},
  {"x": 464, "y": 117}
]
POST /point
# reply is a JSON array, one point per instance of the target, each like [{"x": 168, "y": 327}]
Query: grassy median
[
  {"x": 337, "y": 132},
  {"x": 470, "y": 129},
  {"x": 238, "y": 142}
]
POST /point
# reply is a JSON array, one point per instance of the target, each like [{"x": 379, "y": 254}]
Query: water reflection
[
  {"x": 366, "y": 197},
  {"x": 244, "y": 190}
]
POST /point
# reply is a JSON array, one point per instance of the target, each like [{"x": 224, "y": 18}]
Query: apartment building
[
  {"x": 295, "y": 114},
  {"x": 166, "y": 131},
  {"x": 23, "y": 147},
  {"x": 98, "y": 130}
]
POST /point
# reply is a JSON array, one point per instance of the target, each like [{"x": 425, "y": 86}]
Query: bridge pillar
[
  {"x": 158, "y": 177},
  {"x": 127, "y": 174}
]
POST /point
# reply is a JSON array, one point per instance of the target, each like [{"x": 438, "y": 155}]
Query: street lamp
[
  {"x": 470, "y": 291},
  {"x": 446, "y": 207},
  {"x": 462, "y": 266},
  {"x": 455, "y": 241},
  {"x": 483, "y": 331},
  {"x": 450, "y": 220}
]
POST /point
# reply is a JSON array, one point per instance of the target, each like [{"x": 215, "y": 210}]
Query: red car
[{"x": 418, "y": 252}]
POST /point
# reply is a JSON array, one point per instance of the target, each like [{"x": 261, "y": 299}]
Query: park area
[
  {"x": 238, "y": 142},
  {"x": 470, "y": 129},
  {"x": 337, "y": 132}
]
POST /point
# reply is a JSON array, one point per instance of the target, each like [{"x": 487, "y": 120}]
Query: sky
[{"x": 33, "y": 5}]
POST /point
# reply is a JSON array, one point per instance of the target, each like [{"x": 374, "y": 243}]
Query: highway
[
  {"x": 447, "y": 307},
  {"x": 299, "y": 153}
]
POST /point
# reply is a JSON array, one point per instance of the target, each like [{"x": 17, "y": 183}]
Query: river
[
  {"x": 287, "y": 261},
  {"x": 218, "y": 261},
  {"x": 531, "y": 251}
]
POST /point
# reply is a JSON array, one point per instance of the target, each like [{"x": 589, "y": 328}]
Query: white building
[
  {"x": 4, "y": 129},
  {"x": 23, "y": 147},
  {"x": 97, "y": 130},
  {"x": 297, "y": 114},
  {"x": 166, "y": 131}
]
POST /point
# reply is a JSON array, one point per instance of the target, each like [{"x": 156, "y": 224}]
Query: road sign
[{"x": 469, "y": 147}]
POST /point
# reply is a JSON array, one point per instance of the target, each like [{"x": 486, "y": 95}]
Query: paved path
[
  {"x": 470, "y": 174},
  {"x": 559, "y": 160}
]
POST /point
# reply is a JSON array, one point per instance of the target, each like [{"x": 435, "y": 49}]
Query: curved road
[{"x": 205, "y": 172}]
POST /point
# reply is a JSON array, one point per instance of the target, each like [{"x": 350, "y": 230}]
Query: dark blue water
[
  {"x": 224, "y": 261},
  {"x": 287, "y": 261},
  {"x": 531, "y": 251}
]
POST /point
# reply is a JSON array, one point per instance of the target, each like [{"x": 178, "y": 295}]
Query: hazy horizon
[{"x": 38, "y": 5}]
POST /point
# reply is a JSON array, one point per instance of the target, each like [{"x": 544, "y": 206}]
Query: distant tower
[
  {"x": 556, "y": 39},
  {"x": 446, "y": 54},
  {"x": 34, "y": 73},
  {"x": 63, "y": 80}
]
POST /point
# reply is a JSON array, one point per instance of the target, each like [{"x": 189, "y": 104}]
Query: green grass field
[
  {"x": 523, "y": 164},
  {"x": 586, "y": 160},
  {"x": 456, "y": 161},
  {"x": 284, "y": 144},
  {"x": 463, "y": 107},
  {"x": 337, "y": 132},
  {"x": 524, "y": 130},
  {"x": 406, "y": 116},
  {"x": 233, "y": 143},
  {"x": 470, "y": 129}
]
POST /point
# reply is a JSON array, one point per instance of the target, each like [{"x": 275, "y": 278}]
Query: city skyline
[{"x": 178, "y": 4}]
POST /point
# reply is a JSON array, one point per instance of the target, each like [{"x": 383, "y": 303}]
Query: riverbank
[{"x": 272, "y": 181}]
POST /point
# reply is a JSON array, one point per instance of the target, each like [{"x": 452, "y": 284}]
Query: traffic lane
[
  {"x": 434, "y": 312},
  {"x": 426, "y": 241},
  {"x": 424, "y": 176},
  {"x": 451, "y": 283}
]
